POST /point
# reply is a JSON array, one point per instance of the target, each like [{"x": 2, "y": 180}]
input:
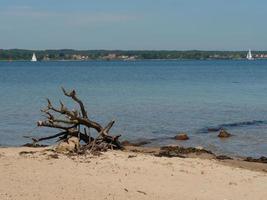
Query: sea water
[{"x": 148, "y": 99}]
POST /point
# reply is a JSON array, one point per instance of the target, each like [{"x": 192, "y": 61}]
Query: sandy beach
[{"x": 29, "y": 174}]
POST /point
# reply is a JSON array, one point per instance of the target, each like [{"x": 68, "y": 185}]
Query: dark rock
[
  {"x": 224, "y": 134},
  {"x": 258, "y": 160},
  {"x": 181, "y": 136},
  {"x": 223, "y": 157}
]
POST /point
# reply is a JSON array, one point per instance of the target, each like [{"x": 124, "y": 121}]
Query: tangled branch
[{"x": 69, "y": 122}]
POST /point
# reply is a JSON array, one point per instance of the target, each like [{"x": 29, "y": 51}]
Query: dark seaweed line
[{"x": 231, "y": 125}]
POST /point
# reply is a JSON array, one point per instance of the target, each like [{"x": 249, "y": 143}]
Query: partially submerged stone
[
  {"x": 224, "y": 134},
  {"x": 181, "y": 136}
]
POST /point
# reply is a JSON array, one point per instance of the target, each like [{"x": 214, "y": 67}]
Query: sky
[{"x": 134, "y": 24}]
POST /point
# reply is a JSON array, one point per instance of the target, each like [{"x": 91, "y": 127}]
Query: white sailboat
[
  {"x": 34, "y": 59},
  {"x": 249, "y": 55}
]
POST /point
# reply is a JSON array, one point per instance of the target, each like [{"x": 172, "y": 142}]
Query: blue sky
[{"x": 134, "y": 24}]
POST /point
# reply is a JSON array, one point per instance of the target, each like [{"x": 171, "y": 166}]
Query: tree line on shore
[{"x": 69, "y": 54}]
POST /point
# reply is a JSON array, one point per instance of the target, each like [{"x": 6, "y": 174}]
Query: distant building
[
  {"x": 46, "y": 58},
  {"x": 110, "y": 56},
  {"x": 261, "y": 56}
]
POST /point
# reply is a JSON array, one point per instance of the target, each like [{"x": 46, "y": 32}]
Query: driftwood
[{"x": 76, "y": 123}]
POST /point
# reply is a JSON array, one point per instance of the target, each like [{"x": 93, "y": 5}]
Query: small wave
[{"x": 232, "y": 125}]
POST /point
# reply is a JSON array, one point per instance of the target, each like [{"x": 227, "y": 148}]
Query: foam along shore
[{"x": 35, "y": 173}]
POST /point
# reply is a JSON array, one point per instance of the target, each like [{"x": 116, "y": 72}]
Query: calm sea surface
[{"x": 148, "y": 99}]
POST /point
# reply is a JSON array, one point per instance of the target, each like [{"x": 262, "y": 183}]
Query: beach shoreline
[{"x": 135, "y": 173}]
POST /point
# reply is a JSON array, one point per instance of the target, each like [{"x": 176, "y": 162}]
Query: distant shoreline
[
  {"x": 81, "y": 55},
  {"x": 137, "y": 60}
]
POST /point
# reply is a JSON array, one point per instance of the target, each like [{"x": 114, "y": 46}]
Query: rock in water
[
  {"x": 70, "y": 145},
  {"x": 224, "y": 134},
  {"x": 181, "y": 136}
]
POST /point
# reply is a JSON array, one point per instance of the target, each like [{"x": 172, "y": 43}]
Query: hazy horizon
[{"x": 208, "y": 25}]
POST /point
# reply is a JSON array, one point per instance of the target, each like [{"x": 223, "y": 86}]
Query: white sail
[
  {"x": 249, "y": 55},
  {"x": 34, "y": 59}
]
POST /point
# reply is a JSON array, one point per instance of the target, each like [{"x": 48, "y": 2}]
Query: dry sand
[{"x": 123, "y": 175}]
